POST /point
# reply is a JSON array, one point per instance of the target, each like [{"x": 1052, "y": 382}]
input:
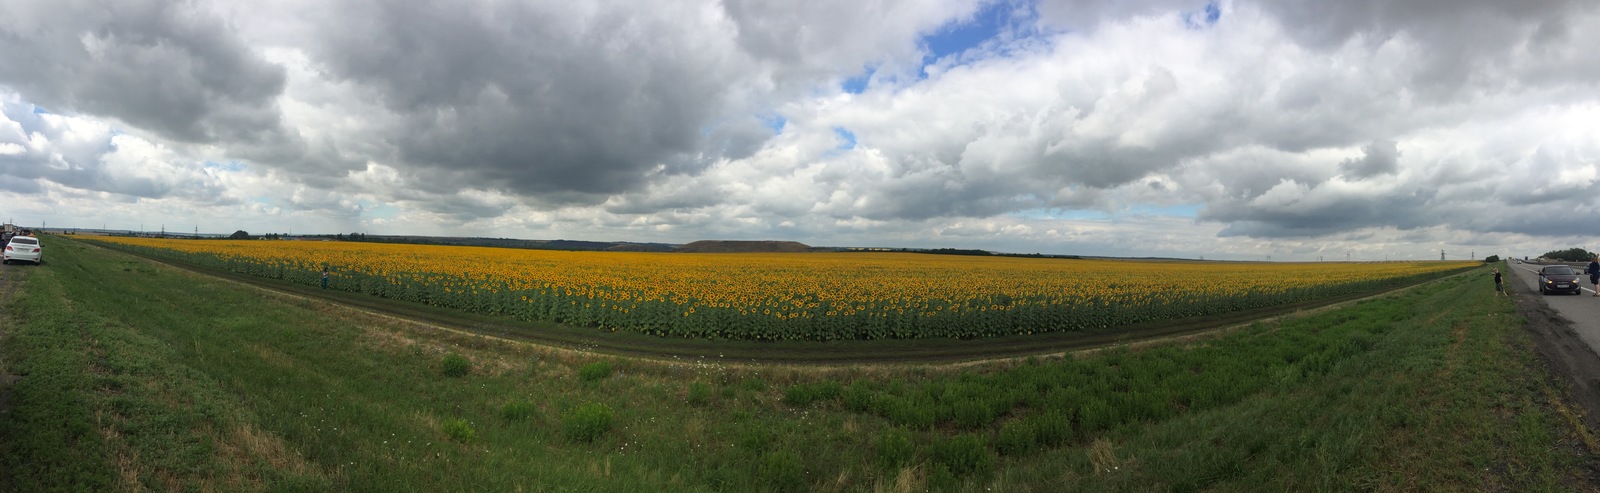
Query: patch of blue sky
[
  {"x": 965, "y": 34},
  {"x": 1205, "y": 18},
  {"x": 858, "y": 84},
  {"x": 1009, "y": 20},
  {"x": 1179, "y": 210},
  {"x": 847, "y": 139},
  {"x": 227, "y": 166},
  {"x": 775, "y": 123},
  {"x": 39, "y": 110},
  {"x": 378, "y": 211},
  {"x": 771, "y": 121},
  {"x": 1068, "y": 214}
]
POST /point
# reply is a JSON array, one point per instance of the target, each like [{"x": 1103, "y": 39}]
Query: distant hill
[{"x": 728, "y": 246}]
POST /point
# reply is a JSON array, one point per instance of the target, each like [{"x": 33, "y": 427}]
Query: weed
[
  {"x": 518, "y": 410},
  {"x": 596, "y": 371},
  {"x": 699, "y": 393},
  {"x": 455, "y": 366},
  {"x": 755, "y": 437},
  {"x": 1051, "y": 428},
  {"x": 858, "y": 397},
  {"x": 803, "y": 394},
  {"x": 966, "y": 454},
  {"x": 459, "y": 429},
  {"x": 972, "y": 414},
  {"x": 782, "y": 470},
  {"x": 895, "y": 448},
  {"x": 588, "y": 422},
  {"x": 1016, "y": 438}
]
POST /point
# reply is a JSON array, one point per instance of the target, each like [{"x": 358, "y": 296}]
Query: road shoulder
[{"x": 1566, "y": 355}]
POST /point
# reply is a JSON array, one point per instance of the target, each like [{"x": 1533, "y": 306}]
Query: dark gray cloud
[
  {"x": 1314, "y": 212},
  {"x": 1381, "y": 157},
  {"x": 1464, "y": 40},
  {"x": 172, "y": 68},
  {"x": 556, "y": 99}
]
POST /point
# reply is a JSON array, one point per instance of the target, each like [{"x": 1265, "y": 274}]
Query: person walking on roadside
[
  {"x": 1499, "y": 287},
  {"x": 1594, "y": 273}
]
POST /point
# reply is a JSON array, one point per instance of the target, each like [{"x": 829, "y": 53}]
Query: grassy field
[{"x": 139, "y": 376}]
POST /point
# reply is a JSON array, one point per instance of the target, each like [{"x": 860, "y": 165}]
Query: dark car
[{"x": 1559, "y": 279}]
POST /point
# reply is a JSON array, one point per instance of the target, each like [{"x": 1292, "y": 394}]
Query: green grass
[{"x": 140, "y": 376}]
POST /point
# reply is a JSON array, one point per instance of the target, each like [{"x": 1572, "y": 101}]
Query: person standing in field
[
  {"x": 324, "y": 277},
  {"x": 1594, "y": 273}
]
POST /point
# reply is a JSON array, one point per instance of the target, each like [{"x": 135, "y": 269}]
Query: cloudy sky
[{"x": 1289, "y": 130}]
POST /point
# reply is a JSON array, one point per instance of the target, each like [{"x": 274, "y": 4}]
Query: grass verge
[{"x": 139, "y": 376}]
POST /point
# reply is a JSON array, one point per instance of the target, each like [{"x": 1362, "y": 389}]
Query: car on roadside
[
  {"x": 1559, "y": 279},
  {"x": 23, "y": 249}
]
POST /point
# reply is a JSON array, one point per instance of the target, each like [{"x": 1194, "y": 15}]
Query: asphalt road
[{"x": 1583, "y": 310}]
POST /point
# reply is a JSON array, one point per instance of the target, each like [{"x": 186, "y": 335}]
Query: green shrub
[
  {"x": 699, "y": 393},
  {"x": 827, "y": 390},
  {"x": 858, "y": 397},
  {"x": 909, "y": 413},
  {"x": 895, "y": 448},
  {"x": 965, "y": 455},
  {"x": 1051, "y": 428},
  {"x": 459, "y": 429},
  {"x": 596, "y": 371},
  {"x": 782, "y": 471},
  {"x": 755, "y": 437},
  {"x": 587, "y": 422},
  {"x": 1096, "y": 415},
  {"x": 972, "y": 414},
  {"x": 518, "y": 410},
  {"x": 1016, "y": 438},
  {"x": 803, "y": 394},
  {"x": 798, "y": 395},
  {"x": 455, "y": 365}
]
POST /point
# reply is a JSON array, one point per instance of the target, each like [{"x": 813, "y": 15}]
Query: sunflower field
[{"x": 791, "y": 296}]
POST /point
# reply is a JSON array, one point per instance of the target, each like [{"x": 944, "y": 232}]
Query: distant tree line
[
  {"x": 955, "y": 251},
  {"x": 1568, "y": 255}
]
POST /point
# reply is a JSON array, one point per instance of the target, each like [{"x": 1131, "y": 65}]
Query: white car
[{"x": 24, "y": 249}]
